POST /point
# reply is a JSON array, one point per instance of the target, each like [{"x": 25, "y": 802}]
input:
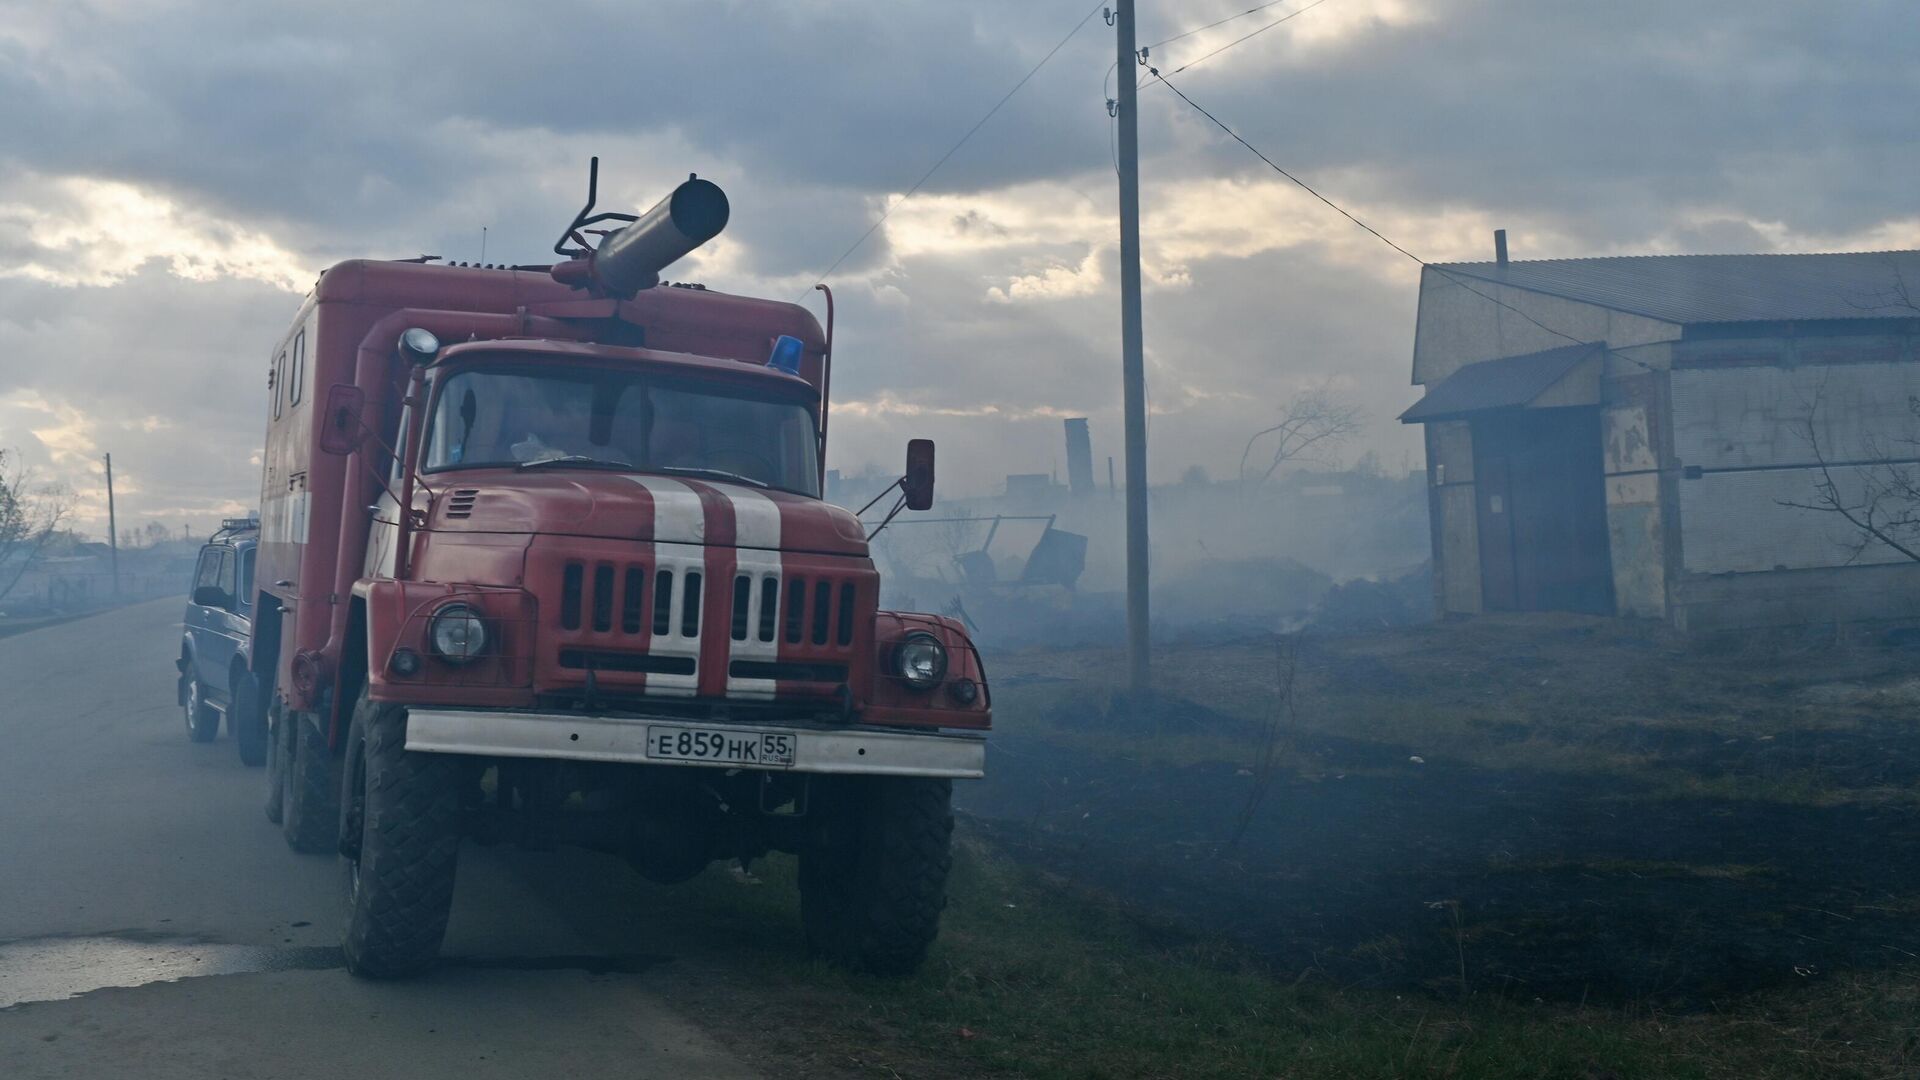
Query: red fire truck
[{"x": 543, "y": 560}]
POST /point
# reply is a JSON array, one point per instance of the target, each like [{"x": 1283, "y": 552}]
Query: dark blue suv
[{"x": 216, "y": 642}]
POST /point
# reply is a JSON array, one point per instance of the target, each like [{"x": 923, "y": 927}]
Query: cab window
[{"x": 208, "y": 573}]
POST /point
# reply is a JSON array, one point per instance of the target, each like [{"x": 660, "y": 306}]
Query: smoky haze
[{"x": 1428, "y": 781}]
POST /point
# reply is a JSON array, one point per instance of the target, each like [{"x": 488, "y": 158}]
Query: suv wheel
[
  {"x": 871, "y": 892},
  {"x": 203, "y": 723}
]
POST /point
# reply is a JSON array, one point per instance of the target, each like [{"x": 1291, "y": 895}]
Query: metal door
[{"x": 1542, "y": 511}]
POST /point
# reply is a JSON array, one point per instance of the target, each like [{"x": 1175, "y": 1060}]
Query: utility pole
[
  {"x": 113, "y": 530},
  {"x": 1132, "y": 360}
]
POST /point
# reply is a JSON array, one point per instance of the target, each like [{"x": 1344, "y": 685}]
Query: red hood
[{"x": 637, "y": 506}]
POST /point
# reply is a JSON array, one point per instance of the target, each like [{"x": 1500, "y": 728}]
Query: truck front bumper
[{"x": 625, "y": 739}]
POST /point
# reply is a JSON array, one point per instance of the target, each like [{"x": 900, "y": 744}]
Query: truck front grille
[{"x": 642, "y": 623}]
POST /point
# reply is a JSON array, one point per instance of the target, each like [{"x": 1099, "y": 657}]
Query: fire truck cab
[{"x": 543, "y": 559}]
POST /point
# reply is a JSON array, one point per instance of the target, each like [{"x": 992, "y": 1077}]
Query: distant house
[{"x": 1624, "y": 435}]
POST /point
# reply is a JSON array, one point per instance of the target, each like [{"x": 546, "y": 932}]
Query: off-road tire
[
  {"x": 400, "y": 827},
  {"x": 247, "y": 720},
  {"x": 278, "y": 751},
  {"x": 310, "y": 790},
  {"x": 871, "y": 893},
  {"x": 203, "y": 720}
]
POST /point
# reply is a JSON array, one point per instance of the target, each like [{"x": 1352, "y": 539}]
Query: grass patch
[{"x": 1033, "y": 978}]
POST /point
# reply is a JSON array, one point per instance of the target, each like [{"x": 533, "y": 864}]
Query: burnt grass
[{"x": 1540, "y": 808}]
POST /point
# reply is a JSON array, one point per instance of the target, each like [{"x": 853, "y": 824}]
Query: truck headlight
[
  {"x": 921, "y": 660},
  {"x": 457, "y": 633}
]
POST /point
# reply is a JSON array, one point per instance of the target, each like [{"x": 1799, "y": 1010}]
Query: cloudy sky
[{"x": 174, "y": 173}]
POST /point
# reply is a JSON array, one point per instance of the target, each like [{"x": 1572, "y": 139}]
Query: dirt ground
[{"x": 1552, "y": 808}]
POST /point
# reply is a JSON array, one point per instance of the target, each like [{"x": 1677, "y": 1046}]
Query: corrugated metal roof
[
  {"x": 1507, "y": 383},
  {"x": 1724, "y": 288}
]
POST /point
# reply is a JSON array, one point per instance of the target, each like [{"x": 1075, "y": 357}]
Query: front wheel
[
  {"x": 399, "y": 845},
  {"x": 203, "y": 722},
  {"x": 872, "y": 890}
]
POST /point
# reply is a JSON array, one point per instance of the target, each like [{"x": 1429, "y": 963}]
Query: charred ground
[{"x": 1541, "y": 807}]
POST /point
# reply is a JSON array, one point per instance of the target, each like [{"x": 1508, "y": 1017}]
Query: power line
[
  {"x": 1201, "y": 60},
  {"x": 1377, "y": 234},
  {"x": 955, "y": 148},
  {"x": 1289, "y": 16},
  {"x": 1211, "y": 25}
]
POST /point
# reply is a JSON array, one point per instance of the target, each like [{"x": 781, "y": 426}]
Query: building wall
[
  {"x": 1632, "y": 425},
  {"x": 1753, "y": 421},
  {"x": 1455, "y": 521},
  {"x": 1455, "y": 327}
]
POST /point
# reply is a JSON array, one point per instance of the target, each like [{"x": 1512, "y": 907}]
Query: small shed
[{"x": 1645, "y": 435}]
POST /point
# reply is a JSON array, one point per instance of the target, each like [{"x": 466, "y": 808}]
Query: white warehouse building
[{"x": 1655, "y": 436}]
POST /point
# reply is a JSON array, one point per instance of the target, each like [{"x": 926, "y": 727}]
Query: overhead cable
[
  {"x": 1375, "y": 233},
  {"x": 955, "y": 148}
]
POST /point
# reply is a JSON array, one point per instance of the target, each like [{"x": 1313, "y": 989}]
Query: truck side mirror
[
  {"x": 340, "y": 427},
  {"x": 210, "y": 596},
  {"x": 917, "y": 484}
]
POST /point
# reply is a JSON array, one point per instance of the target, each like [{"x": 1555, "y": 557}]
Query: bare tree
[
  {"x": 31, "y": 512},
  {"x": 1312, "y": 423},
  {"x": 1886, "y": 507}
]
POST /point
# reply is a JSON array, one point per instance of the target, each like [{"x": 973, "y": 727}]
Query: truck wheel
[
  {"x": 203, "y": 723},
  {"x": 309, "y": 789},
  {"x": 870, "y": 899},
  {"x": 399, "y": 845},
  {"x": 278, "y": 751},
  {"x": 247, "y": 720}
]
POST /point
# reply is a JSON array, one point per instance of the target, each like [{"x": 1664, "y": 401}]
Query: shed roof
[
  {"x": 1724, "y": 288},
  {"x": 1510, "y": 382}
]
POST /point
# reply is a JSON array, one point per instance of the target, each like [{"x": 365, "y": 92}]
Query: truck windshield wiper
[
  {"x": 578, "y": 461},
  {"x": 720, "y": 474}
]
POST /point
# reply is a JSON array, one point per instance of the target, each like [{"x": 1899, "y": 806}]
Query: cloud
[{"x": 174, "y": 172}]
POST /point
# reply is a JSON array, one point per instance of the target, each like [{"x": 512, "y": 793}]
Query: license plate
[{"x": 763, "y": 749}]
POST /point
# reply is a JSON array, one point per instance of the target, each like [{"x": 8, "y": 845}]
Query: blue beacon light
[{"x": 787, "y": 351}]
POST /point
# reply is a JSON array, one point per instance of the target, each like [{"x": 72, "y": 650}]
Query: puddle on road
[
  {"x": 53, "y": 969},
  {"x": 49, "y": 969}
]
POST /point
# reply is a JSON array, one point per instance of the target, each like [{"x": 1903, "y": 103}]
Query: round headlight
[
  {"x": 921, "y": 660},
  {"x": 457, "y": 633}
]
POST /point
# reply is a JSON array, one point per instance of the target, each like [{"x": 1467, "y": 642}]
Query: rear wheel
[
  {"x": 871, "y": 895},
  {"x": 399, "y": 845},
  {"x": 203, "y": 722},
  {"x": 309, "y": 789},
  {"x": 247, "y": 719}
]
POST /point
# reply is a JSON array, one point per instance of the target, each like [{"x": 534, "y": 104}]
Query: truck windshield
[{"x": 614, "y": 420}]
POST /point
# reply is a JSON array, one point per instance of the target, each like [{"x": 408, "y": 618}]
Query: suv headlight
[
  {"x": 921, "y": 660},
  {"x": 457, "y": 633}
]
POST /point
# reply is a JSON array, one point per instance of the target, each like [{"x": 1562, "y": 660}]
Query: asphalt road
[{"x": 153, "y": 924}]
